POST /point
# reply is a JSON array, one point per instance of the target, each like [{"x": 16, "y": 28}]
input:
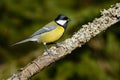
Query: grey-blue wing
[{"x": 50, "y": 26}]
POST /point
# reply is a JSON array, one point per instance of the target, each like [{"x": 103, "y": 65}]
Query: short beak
[{"x": 69, "y": 19}]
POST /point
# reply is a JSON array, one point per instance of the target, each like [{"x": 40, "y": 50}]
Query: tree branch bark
[{"x": 108, "y": 18}]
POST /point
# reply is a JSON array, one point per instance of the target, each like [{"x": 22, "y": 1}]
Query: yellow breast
[{"x": 52, "y": 36}]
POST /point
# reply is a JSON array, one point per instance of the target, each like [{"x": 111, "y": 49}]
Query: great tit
[{"x": 50, "y": 32}]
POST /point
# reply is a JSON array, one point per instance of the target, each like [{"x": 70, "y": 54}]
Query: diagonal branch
[{"x": 108, "y": 18}]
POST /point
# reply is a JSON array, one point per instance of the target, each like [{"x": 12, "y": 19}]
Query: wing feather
[{"x": 50, "y": 26}]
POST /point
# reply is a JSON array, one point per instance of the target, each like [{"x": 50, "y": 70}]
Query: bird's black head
[{"x": 62, "y": 20}]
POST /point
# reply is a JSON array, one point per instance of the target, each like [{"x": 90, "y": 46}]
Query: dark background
[{"x": 99, "y": 59}]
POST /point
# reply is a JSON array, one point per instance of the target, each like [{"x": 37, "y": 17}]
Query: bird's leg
[
  {"x": 49, "y": 53},
  {"x": 46, "y": 48}
]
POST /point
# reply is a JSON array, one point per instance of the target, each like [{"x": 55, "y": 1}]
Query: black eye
[{"x": 65, "y": 18}]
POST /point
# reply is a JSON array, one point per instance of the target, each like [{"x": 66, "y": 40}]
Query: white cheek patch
[{"x": 61, "y": 22}]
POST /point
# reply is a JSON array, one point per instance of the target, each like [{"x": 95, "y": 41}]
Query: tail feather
[{"x": 23, "y": 41}]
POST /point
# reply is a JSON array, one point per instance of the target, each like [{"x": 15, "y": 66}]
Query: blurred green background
[{"x": 99, "y": 59}]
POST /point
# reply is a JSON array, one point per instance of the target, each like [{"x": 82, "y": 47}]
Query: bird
[{"x": 49, "y": 33}]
